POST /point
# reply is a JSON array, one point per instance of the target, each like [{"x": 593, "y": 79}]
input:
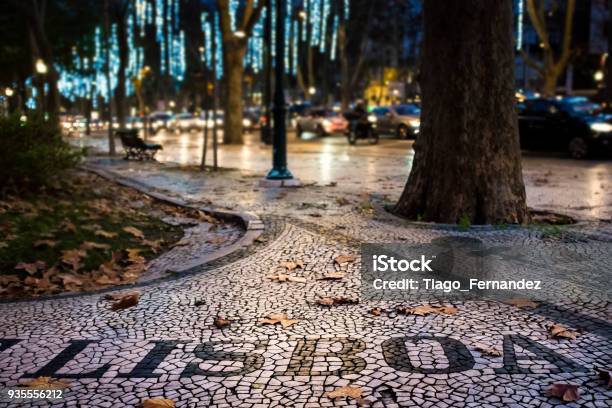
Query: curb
[{"x": 251, "y": 223}]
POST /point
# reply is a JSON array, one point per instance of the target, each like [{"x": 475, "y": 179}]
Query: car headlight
[
  {"x": 327, "y": 123},
  {"x": 601, "y": 127},
  {"x": 372, "y": 118},
  {"x": 415, "y": 123}
]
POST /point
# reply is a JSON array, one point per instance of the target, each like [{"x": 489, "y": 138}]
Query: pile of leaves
[{"x": 84, "y": 233}]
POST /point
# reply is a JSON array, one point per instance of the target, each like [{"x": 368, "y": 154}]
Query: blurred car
[
  {"x": 321, "y": 122},
  {"x": 573, "y": 124},
  {"x": 133, "y": 122},
  {"x": 403, "y": 121},
  {"x": 185, "y": 122},
  {"x": 252, "y": 119},
  {"x": 297, "y": 110},
  {"x": 159, "y": 121}
]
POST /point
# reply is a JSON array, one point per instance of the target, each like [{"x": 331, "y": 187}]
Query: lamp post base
[{"x": 271, "y": 183}]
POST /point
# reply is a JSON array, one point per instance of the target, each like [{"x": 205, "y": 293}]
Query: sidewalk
[{"x": 168, "y": 345}]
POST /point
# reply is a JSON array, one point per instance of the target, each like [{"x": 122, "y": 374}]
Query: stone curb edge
[{"x": 251, "y": 223}]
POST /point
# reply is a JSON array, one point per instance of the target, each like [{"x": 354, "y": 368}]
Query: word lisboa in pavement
[
  {"x": 305, "y": 354},
  {"x": 385, "y": 263}
]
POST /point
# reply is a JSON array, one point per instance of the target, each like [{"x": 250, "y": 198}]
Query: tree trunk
[
  {"x": 467, "y": 163},
  {"x": 551, "y": 78},
  {"x": 609, "y": 59},
  {"x": 233, "y": 61},
  {"x": 120, "y": 92}
]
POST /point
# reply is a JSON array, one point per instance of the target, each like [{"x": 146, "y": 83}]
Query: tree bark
[
  {"x": 120, "y": 92},
  {"x": 467, "y": 162},
  {"x": 233, "y": 57}
]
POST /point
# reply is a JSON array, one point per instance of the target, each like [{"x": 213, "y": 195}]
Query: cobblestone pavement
[{"x": 168, "y": 346}]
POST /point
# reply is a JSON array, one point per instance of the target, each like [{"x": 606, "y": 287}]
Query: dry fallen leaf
[
  {"x": 521, "y": 303},
  {"x": 426, "y": 309},
  {"x": 45, "y": 383},
  {"x": 154, "y": 245},
  {"x": 605, "y": 375},
  {"x": 221, "y": 322},
  {"x": 134, "y": 256},
  {"x": 45, "y": 243},
  {"x": 347, "y": 391},
  {"x": 333, "y": 276},
  {"x": 565, "y": 392},
  {"x": 376, "y": 311},
  {"x": 158, "y": 403},
  {"x": 342, "y": 201},
  {"x": 94, "y": 245},
  {"x": 70, "y": 280},
  {"x": 281, "y": 318},
  {"x": 31, "y": 268},
  {"x": 291, "y": 265},
  {"x": 216, "y": 240},
  {"x": 105, "y": 234},
  {"x": 556, "y": 330},
  {"x": 286, "y": 278},
  {"x": 67, "y": 226},
  {"x": 336, "y": 301},
  {"x": 134, "y": 231},
  {"x": 124, "y": 301},
  {"x": 488, "y": 351},
  {"x": 72, "y": 257},
  {"x": 344, "y": 259}
]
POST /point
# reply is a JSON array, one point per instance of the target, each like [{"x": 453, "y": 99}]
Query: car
[
  {"x": 159, "y": 121},
  {"x": 133, "y": 122},
  {"x": 403, "y": 121},
  {"x": 185, "y": 122},
  {"x": 572, "y": 124},
  {"x": 321, "y": 122}
]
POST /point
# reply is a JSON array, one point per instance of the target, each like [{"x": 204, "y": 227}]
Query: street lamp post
[{"x": 279, "y": 160}]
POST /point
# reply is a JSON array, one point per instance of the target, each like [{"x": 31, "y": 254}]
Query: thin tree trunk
[
  {"x": 120, "y": 93},
  {"x": 233, "y": 61},
  {"x": 467, "y": 163},
  {"x": 111, "y": 138},
  {"x": 609, "y": 59}
]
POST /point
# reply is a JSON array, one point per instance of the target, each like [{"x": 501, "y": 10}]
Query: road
[{"x": 553, "y": 182}]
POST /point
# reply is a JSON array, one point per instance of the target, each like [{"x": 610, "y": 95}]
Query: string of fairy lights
[{"x": 309, "y": 23}]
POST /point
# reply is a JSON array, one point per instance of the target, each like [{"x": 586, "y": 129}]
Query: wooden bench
[{"x": 135, "y": 147}]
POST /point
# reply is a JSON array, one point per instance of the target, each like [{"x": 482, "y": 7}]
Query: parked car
[
  {"x": 403, "y": 121},
  {"x": 185, "y": 122},
  {"x": 159, "y": 121},
  {"x": 321, "y": 122},
  {"x": 569, "y": 124}
]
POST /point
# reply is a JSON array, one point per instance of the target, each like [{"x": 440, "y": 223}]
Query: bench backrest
[{"x": 129, "y": 138}]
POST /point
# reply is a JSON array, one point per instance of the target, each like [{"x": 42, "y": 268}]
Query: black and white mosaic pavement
[{"x": 168, "y": 346}]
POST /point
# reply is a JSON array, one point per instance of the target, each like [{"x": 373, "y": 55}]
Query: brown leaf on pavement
[
  {"x": 556, "y": 330},
  {"x": 221, "y": 322},
  {"x": 333, "y": 276},
  {"x": 347, "y": 391},
  {"x": 336, "y": 301},
  {"x": 45, "y": 243},
  {"x": 134, "y": 232},
  {"x": 276, "y": 318},
  {"x": 125, "y": 300},
  {"x": 376, "y": 311},
  {"x": 342, "y": 201},
  {"x": 45, "y": 383},
  {"x": 565, "y": 392},
  {"x": 291, "y": 265},
  {"x": 521, "y": 303},
  {"x": 105, "y": 234},
  {"x": 488, "y": 351},
  {"x": 286, "y": 278},
  {"x": 345, "y": 259},
  {"x": 426, "y": 309},
  {"x": 31, "y": 268},
  {"x": 216, "y": 240},
  {"x": 605, "y": 376},
  {"x": 158, "y": 403}
]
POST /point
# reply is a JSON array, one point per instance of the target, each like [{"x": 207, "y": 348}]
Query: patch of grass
[
  {"x": 82, "y": 209},
  {"x": 464, "y": 223}
]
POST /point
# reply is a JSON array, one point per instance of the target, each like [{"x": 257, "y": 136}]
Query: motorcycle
[{"x": 361, "y": 129}]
